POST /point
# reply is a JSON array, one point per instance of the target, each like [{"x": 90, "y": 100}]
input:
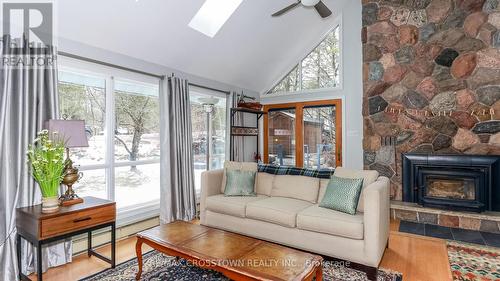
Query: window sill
[{"x": 135, "y": 214}]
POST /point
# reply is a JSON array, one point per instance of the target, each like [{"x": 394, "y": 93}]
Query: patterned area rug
[
  {"x": 159, "y": 267},
  {"x": 473, "y": 262}
]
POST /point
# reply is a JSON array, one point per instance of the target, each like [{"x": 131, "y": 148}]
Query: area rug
[
  {"x": 473, "y": 262},
  {"x": 159, "y": 267}
]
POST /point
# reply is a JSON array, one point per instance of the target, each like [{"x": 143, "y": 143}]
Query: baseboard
[{"x": 100, "y": 238}]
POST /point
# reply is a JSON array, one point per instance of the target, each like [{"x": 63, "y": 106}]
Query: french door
[
  {"x": 304, "y": 134},
  {"x": 208, "y": 125}
]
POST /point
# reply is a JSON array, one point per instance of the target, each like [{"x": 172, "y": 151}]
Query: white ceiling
[{"x": 252, "y": 50}]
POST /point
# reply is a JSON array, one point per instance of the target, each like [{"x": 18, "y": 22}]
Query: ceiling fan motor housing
[{"x": 309, "y": 3}]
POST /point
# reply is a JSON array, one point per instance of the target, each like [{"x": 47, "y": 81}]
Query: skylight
[{"x": 212, "y": 15}]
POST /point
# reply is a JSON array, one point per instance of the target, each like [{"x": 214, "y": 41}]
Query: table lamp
[{"x": 73, "y": 132}]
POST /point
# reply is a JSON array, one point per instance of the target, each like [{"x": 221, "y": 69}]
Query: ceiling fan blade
[
  {"x": 286, "y": 9},
  {"x": 322, "y": 9}
]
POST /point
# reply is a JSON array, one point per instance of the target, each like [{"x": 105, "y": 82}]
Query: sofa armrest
[
  {"x": 376, "y": 219},
  {"x": 211, "y": 182}
]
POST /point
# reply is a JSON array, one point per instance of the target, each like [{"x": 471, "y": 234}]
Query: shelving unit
[{"x": 244, "y": 131}]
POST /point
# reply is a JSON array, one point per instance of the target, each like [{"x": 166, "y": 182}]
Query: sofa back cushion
[
  {"x": 264, "y": 183},
  {"x": 369, "y": 177},
  {"x": 232, "y": 165},
  {"x": 297, "y": 187}
]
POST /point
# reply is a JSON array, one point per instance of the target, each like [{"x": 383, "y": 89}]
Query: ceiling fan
[{"x": 320, "y": 7}]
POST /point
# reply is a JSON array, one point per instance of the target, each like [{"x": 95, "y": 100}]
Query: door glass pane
[
  {"x": 82, "y": 97},
  {"x": 281, "y": 137},
  {"x": 213, "y": 134},
  {"x": 319, "y": 137},
  {"x": 218, "y": 127},
  {"x": 92, "y": 183},
  {"x": 199, "y": 131},
  {"x": 137, "y": 128},
  {"x": 137, "y": 184}
]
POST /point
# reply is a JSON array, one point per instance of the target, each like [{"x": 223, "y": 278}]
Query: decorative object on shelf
[
  {"x": 46, "y": 157},
  {"x": 73, "y": 132},
  {"x": 244, "y": 131},
  {"x": 248, "y": 104}
]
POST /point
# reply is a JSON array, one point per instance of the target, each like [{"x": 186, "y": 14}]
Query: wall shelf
[{"x": 244, "y": 131}]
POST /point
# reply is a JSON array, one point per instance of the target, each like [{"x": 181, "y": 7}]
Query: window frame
[
  {"x": 299, "y": 127},
  {"x": 336, "y": 24},
  {"x": 128, "y": 214}
]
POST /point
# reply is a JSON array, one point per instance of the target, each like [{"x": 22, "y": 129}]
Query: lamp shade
[{"x": 73, "y": 131}]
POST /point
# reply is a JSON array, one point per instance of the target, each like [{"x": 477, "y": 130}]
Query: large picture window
[
  {"x": 122, "y": 122},
  {"x": 304, "y": 134},
  {"x": 320, "y": 69}
]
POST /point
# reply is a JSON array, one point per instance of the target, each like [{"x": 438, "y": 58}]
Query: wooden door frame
[{"x": 299, "y": 127}]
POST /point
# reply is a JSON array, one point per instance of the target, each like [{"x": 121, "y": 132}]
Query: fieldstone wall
[{"x": 431, "y": 80}]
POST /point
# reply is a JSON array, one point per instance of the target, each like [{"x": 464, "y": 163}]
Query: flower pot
[{"x": 50, "y": 204}]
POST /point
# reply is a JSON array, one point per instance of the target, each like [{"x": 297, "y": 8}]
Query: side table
[{"x": 39, "y": 229}]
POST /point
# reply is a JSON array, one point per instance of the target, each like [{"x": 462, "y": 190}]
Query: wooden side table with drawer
[{"x": 39, "y": 229}]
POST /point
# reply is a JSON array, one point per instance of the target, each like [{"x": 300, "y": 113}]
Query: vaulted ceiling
[{"x": 252, "y": 50}]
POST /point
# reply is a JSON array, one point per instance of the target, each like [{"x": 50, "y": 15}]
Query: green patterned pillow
[
  {"x": 240, "y": 183},
  {"x": 342, "y": 194}
]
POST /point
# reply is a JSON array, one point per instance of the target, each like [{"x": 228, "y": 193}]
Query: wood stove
[{"x": 452, "y": 182}]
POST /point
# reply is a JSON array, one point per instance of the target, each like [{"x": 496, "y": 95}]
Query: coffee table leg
[
  {"x": 319, "y": 273},
  {"x": 138, "y": 251}
]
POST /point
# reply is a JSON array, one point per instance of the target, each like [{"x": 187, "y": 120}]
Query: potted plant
[{"x": 46, "y": 157}]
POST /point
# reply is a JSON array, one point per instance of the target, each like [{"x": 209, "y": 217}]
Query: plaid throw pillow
[{"x": 294, "y": 171}]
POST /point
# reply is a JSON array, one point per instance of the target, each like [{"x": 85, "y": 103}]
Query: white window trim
[
  {"x": 129, "y": 214},
  {"x": 337, "y": 23}
]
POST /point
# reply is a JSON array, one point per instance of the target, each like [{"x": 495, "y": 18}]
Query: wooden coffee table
[{"x": 236, "y": 256}]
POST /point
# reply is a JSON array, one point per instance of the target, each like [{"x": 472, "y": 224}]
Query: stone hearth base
[{"x": 486, "y": 221}]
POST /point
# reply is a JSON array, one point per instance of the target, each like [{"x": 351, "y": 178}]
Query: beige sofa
[{"x": 286, "y": 211}]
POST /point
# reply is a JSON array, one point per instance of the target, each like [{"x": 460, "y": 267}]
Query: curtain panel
[
  {"x": 28, "y": 97},
  {"x": 177, "y": 165}
]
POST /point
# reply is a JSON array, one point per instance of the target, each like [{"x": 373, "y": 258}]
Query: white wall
[{"x": 351, "y": 91}]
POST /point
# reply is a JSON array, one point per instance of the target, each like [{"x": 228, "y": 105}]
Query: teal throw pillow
[
  {"x": 240, "y": 183},
  {"x": 342, "y": 194}
]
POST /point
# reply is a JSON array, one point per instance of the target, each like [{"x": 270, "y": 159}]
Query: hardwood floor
[{"x": 419, "y": 258}]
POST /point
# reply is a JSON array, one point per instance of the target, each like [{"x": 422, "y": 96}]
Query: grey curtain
[
  {"x": 28, "y": 97},
  {"x": 177, "y": 165},
  {"x": 238, "y": 142}
]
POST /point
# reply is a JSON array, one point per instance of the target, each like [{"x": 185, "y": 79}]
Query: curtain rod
[
  {"x": 69, "y": 55},
  {"x": 209, "y": 88}
]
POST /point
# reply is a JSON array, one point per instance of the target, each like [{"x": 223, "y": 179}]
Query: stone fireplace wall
[{"x": 431, "y": 80}]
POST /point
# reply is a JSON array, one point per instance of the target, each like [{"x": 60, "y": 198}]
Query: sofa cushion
[
  {"x": 332, "y": 222},
  {"x": 296, "y": 187},
  {"x": 342, "y": 194},
  {"x": 264, "y": 183},
  {"x": 240, "y": 183},
  {"x": 232, "y": 165},
  {"x": 368, "y": 176},
  {"x": 234, "y": 206},
  {"x": 278, "y": 210}
]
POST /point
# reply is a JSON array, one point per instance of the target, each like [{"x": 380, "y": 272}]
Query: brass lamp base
[
  {"x": 71, "y": 175},
  {"x": 71, "y": 202}
]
